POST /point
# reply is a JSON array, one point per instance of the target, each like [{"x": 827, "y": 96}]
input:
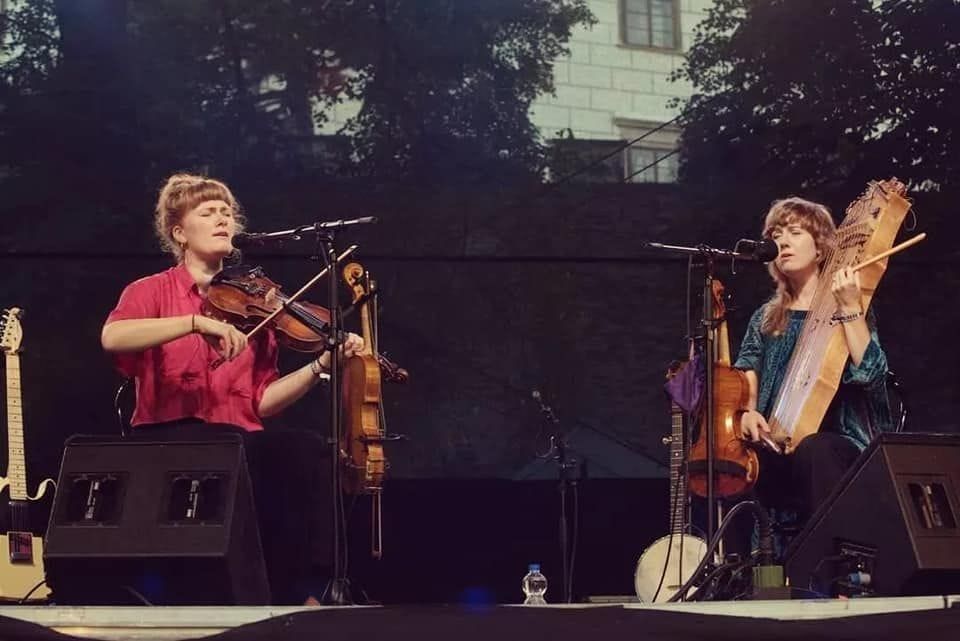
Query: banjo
[{"x": 669, "y": 562}]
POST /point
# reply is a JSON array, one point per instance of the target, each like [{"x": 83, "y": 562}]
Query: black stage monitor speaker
[
  {"x": 170, "y": 523},
  {"x": 892, "y": 526}
]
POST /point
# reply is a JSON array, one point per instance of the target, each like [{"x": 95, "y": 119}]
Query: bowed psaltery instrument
[{"x": 863, "y": 242}]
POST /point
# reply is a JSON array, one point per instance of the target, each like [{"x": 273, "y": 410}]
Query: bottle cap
[{"x": 534, "y": 567}]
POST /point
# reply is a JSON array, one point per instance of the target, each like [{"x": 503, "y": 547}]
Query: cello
[
  {"x": 363, "y": 429},
  {"x": 735, "y": 463}
]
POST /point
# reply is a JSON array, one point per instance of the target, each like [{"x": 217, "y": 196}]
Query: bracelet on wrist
[
  {"x": 193, "y": 323},
  {"x": 846, "y": 318},
  {"x": 316, "y": 368}
]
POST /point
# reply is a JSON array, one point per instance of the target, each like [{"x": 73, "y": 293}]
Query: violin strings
[{"x": 302, "y": 311}]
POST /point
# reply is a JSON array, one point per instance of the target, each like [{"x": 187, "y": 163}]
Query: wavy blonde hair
[
  {"x": 818, "y": 222},
  {"x": 182, "y": 193}
]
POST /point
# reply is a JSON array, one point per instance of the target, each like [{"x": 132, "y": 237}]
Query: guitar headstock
[{"x": 11, "y": 332}]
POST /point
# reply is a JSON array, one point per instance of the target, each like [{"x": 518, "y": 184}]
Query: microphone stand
[
  {"x": 337, "y": 591},
  {"x": 559, "y": 445}
]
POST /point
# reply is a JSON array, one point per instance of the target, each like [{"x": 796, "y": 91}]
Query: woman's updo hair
[{"x": 179, "y": 195}]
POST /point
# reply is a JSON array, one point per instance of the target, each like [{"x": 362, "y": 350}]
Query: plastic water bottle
[{"x": 534, "y": 586}]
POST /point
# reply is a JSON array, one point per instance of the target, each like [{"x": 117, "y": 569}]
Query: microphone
[
  {"x": 258, "y": 239},
  {"x": 251, "y": 239},
  {"x": 762, "y": 251}
]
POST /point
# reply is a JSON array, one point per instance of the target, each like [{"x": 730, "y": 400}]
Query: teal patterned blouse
[{"x": 860, "y": 407}]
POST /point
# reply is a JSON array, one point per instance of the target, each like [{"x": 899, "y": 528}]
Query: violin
[
  {"x": 735, "y": 463},
  {"x": 245, "y": 297},
  {"x": 363, "y": 432}
]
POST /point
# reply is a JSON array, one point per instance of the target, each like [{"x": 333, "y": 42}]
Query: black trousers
[
  {"x": 799, "y": 482},
  {"x": 803, "y": 480},
  {"x": 290, "y": 474}
]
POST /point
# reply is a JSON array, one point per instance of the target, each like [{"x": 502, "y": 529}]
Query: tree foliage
[
  {"x": 447, "y": 84},
  {"x": 97, "y": 90},
  {"x": 820, "y": 97}
]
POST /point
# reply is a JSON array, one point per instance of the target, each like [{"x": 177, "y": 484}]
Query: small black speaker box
[
  {"x": 171, "y": 523},
  {"x": 892, "y": 526}
]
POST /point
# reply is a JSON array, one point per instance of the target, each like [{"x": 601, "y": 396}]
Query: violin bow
[{"x": 890, "y": 252}]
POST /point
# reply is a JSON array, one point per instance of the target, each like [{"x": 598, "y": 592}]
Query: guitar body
[
  {"x": 681, "y": 556},
  {"x": 18, "y": 577}
]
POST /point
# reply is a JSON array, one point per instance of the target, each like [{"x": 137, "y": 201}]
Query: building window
[
  {"x": 650, "y": 23},
  {"x": 652, "y": 157},
  {"x": 651, "y": 165},
  {"x": 586, "y": 161}
]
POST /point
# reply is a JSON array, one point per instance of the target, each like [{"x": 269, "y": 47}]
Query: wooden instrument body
[
  {"x": 364, "y": 463},
  {"x": 886, "y": 208},
  {"x": 243, "y": 296},
  {"x": 735, "y": 464}
]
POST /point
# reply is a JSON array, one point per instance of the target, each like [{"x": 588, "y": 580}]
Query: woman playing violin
[
  {"x": 804, "y": 232},
  {"x": 157, "y": 335}
]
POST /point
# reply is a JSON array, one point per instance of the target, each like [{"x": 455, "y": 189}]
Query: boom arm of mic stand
[
  {"x": 709, "y": 253},
  {"x": 337, "y": 224}
]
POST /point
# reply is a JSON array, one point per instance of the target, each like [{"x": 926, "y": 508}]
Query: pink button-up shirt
[{"x": 174, "y": 380}]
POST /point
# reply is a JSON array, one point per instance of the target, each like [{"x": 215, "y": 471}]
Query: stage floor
[{"x": 872, "y": 618}]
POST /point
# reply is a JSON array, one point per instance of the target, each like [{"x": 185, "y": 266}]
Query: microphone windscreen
[
  {"x": 243, "y": 240},
  {"x": 767, "y": 250}
]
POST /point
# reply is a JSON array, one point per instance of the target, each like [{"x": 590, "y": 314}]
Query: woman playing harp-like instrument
[{"x": 811, "y": 354}]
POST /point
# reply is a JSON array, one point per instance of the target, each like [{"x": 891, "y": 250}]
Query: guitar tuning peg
[{"x": 666, "y": 440}]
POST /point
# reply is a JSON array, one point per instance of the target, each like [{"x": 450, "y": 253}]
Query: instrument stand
[
  {"x": 567, "y": 481},
  {"x": 709, "y": 360},
  {"x": 337, "y": 591}
]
